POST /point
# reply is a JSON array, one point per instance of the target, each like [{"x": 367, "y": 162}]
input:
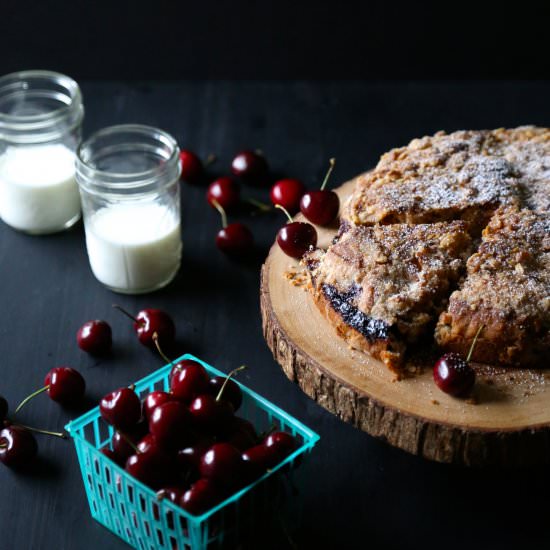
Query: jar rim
[
  {"x": 100, "y": 180},
  {"x": 61, "y": 88}
]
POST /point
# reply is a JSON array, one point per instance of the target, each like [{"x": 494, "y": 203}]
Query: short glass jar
[
  {"x": 128, "y": 177},
  {"x": 41, "y": 116}
]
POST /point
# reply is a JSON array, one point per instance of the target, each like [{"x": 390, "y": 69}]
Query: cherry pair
[{"x": 320, "y": 207}]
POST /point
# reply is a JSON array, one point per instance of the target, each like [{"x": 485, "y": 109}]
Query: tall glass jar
[
  {"x": 128, "y": 177},
  {"x": 40, "y": 127}
]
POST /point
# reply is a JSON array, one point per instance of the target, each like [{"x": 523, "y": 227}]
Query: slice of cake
[
  {"x": 383, "y": 287},
  {"x": 507, "y": 289},
  {"x": 437, "y": 178}
]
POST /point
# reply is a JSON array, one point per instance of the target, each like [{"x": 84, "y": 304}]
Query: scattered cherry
[
  {"x": 235, "y": 239},
  {"x": 121, "y": 409},
  {"x": 321, "y": 206},
  {"x": 150, "y": 321},
  {"x": 154, "y": 399},
  {"x": 63, "y": 384},
  {"x": 288, "y": 192},
  {"x": 232, "y": 392},
  {"x": 191, "y": 166},
  {"x": 3, "y": 409},
  {"x": 225, "y": 191},
  {"x": 296, "y": 238},
  {"x": 201, "y": 496},
  {"x": 17, "y": 446},
  {"x": 250, "y": 166},
  {"x": 170, "y": 425},
  {"x": 95, "y": 337},
  {"x": 453, "y": 374},
  {"x": 222, "y": 463}
]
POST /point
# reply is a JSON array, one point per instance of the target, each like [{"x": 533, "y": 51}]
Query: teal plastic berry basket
[{"x": 132, "y": 511}]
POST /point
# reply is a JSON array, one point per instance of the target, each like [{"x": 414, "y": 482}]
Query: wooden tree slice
[{"x": 507, "y": 423}]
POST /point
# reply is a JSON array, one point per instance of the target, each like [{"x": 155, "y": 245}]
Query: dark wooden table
[{"x": 363, "y": 493}]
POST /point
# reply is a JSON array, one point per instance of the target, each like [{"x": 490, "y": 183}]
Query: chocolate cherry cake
[{"x": 448, "y": 233}]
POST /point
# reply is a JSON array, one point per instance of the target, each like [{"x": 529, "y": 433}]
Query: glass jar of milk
[
  {"x": 40, "y": 124},
  {"x": 129, "y": 185}
]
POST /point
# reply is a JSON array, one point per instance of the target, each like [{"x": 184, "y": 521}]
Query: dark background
[{"x": 267, "y": 39}]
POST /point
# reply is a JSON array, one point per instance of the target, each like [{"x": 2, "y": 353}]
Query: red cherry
[
  {"x": 124, "y": 444},
  {"x": 232, "y": 392},
  {"x": 297, "y": 238},
  {"x": 225, "y": 191},
  {"x": 235, "y": 239},
  {"x": 453, "y": 375},
  {"x": 287, "y": 192},
  {"x": 95, "y": 337},
  {"x": 281, "y": 443},
  {"x": 320, "y": 207},
  {"x": 241, "y": 434},
  {"x": 151, "y": 468},
  {"x": 121, "y": 409},
  {"x": 146, "y": 443},
  {"x": 17, "y": 446},
  {"x": 65, "y": 385},
  {"x": 261, "y": 458},
  {"x": 202, "y": 495},
  {"x": 152, "y": 321},
  {"x": 222, "y": 463},
  {"x": 170, "y": 425},
  {"x": 3, "y": 409},
  {"x": 189, "y": 458},
  {"x": 209, "y": 414},
  {"x": 189, "y": 379},
  {"x": 191, "y": 166},
  {"x": 154, "y": 399},
  {"x": 250, "y": 166}
]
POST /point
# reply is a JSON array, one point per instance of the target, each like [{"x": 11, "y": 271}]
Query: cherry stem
[
  {"x": 474, "y": 343},
  {"x": 31, "y": 396},
  {"x": 155, "y": 338},
  {"x": 3, "y": 445},
  {"x": 290, "y": 220},
  {"x": 221, "y": 210},
  {"x": 130, "y": 442},
  {"x": 210, "y": 159},
  {"x": 129, "y": 315},
  {"x": 332, "y": 162},
  {"x": 259, "y": 205},
  {"x": 45, "y": 432},
  {"x": 232, "y": 373}
]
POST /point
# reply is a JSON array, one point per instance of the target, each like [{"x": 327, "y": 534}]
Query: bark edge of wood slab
[{"x": 468, "y": 436}]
